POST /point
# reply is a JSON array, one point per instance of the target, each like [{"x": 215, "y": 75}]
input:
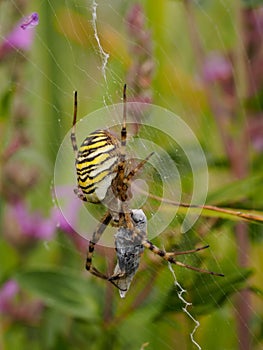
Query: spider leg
[
  {"x": 78, "y": 192},
  {"x": 122, "y": 158},
  {"x": 134, "y": 171},
  {"x": 124, "y": 129},
  {"x": 124, "y": 139},
  {"x": 121, "y": 167},
  {"x": 114, "y": 279},
  {"x": 97, "y": 273},
  {"x": 115, "y": 283},
  {"x": 173, "y": 261},
  {"x": 73, "y": 130},
  {"x": 95, "y": 238},
  {"x": 119, "y": 275},
  {"x": 126, "y": 212},
  {"x": 187, "y": 251},
  {"x": 170, "y": 257}
]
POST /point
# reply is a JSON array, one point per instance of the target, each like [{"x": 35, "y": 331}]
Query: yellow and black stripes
[{"x": 96, "y": 164}]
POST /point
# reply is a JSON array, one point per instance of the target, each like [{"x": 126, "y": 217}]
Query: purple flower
[
  {"x": 136, "y": 19},
  {"x": 30, "y": 21},
  {"x": 21, "y": 37},
  {"x": 23, "y": 227},
  {"x": 32, "y": 224},
  {"x": 216, "y": 68},
  {"x": 64, "y": 225},
  {"x": 17, "y": 305},
  {"x": 67, "y": 220},
  {"x": 140, "y": 73},
  {"x": 255, "y": 132},
  {"x": 8, "y": 291},
  {"x": 61, "y": 222}
]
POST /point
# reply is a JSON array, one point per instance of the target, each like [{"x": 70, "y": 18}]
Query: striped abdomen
[{"x": 96, "y": 164}]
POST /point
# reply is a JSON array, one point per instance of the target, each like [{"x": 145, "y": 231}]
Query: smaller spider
[{"x": 104, "y": 175}]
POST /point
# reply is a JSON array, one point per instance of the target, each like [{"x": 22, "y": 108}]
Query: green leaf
[
  {"x": 252, "y": 3},
  {"x": 235, "y": 191},
  {"x": 207, "y": 293},
  {"x": 212, "y": 293},
  {"x": 8, "y": 258},
  {"x": 64, "y": 290},
  {"x": 257, "y": 291},
  {"x": 5, "y": 102}
]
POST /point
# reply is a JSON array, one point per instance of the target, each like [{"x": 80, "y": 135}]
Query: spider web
[{"x": 101, "y": 85}]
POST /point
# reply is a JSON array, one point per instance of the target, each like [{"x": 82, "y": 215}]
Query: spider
[{"x": 104, "y": 175}]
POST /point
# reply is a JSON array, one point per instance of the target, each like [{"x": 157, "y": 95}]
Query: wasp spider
[{"x": 104, "y": 175}]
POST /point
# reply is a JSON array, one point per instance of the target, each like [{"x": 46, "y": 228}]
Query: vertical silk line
[
  {"x": 104, "y": 55},
  {"x": 180, "y": 296}
]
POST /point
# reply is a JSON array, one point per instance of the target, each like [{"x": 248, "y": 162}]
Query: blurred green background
[{"x": 203, "y": 61}]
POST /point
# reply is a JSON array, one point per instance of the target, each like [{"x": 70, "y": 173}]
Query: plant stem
[{"x": 236, "y": 146}]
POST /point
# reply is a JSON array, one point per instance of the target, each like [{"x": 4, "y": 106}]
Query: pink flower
[
  {"x": 140, "y": 74},
  {"x": 136, "y": 19},
  {"x": 33, "y": 224},
  {"x": 8, "y": 291},
  {"x": 17, "y": 305},
  {"x": 30, "y": 21},
  {"x": 216, "y": 68},
  {"x": 21, "y": 37},
  {"x": 24, "y": 227},
  {"x": 67, "y": 220}
]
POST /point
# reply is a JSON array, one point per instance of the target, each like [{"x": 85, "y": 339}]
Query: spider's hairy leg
[
  {"x": 73, "y": 130},
  {"x": 134, "y": 171},
  {"x": 187, "y": 251},
  {"x": 124, "y": 129},
  {"x": 78, "y": 192},
  {"x": 126, "y": 215},
  {"x": 95, "y": 238},
  {"x": 170, "y": 257}
]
